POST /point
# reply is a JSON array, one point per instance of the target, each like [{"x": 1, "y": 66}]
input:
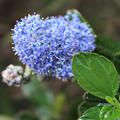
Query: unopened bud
[{"x": 12, "y": 75}]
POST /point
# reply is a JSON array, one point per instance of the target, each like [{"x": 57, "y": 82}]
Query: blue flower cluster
[{"x": 48, "y": 45}]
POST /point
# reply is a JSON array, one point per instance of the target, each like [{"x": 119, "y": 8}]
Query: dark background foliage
[{"x": 52, "y": 99}]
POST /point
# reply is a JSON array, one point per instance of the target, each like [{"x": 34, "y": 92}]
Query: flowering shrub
[{"x": 62, "y": 47}]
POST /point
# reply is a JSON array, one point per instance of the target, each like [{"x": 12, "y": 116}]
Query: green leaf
[
  {"x": 106, "y": 45},
  {"x": 110, "y": 100},
  {"x": 116, "y": 60},
  {"x": 88, "y": 102},
  {"x": 91, "y": 114},
  {"x": 83, "y": 106},
  {"x": 109, "y": 113},
  {"x": 95, "y": 74}
]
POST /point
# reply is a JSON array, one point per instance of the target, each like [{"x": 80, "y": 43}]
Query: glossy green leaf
[
  {"x": 109, "y": 113},
  {"x": 116, "y": 60},
  {"x": 106, "y": 45},
  {"x": 110, "y": 100},
  {"x": 91, "y": 114},
  {"x": 95, "y": 74}
]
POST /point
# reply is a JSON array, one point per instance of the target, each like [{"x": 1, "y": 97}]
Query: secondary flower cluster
[
  {"x": 47, "y": 46},
  {"x": 13, "y": 75}
]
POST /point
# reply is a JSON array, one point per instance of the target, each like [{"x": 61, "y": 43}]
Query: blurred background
[{"x": 48, "y": 99}]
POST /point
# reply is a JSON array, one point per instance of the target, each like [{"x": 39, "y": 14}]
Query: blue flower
[{"x": 47, "y": 46}]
